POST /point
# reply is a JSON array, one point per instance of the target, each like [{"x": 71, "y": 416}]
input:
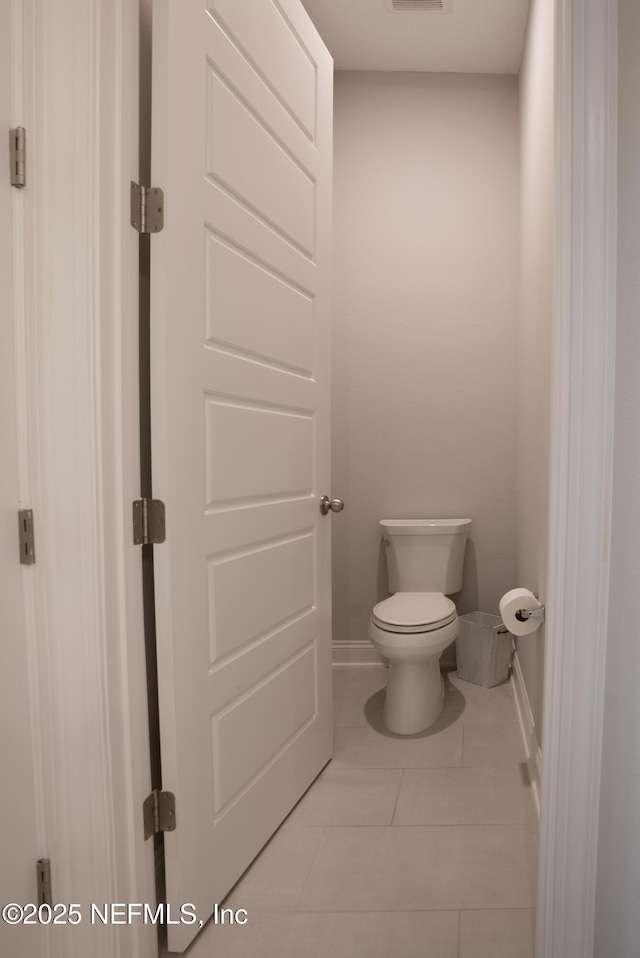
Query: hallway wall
[{"x": 424, "y": 331}]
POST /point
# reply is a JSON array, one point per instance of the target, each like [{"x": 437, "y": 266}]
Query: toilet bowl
[{"x": 412, "y": 628}]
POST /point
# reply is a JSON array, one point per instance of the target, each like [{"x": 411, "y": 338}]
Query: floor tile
[
  {"x": 477, "y": 705},
  {"x": 339, "y": 935},
  {"x": 274, "y": 880},
  {"x": 493, "y": 745},
  {"x": 351, "y": 690},
  {"x": 448, "y": 867},
  {"x": 464, "y": 704},
  {"x": 341, "y": 796},
  {"x": 497, "y": 934},
  {"x": 370, "y": 748},
  {"x": 465, "y": 796},
  {"x": 336, "y": 880}
]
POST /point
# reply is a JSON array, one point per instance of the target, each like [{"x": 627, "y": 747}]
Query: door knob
[{"x": 333, "y": 505}]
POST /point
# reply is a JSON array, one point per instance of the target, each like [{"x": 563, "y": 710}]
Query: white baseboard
[
  {"x": 528, "y": 729},
  {"x": 361, "y": 652},
  {"x": 356, "y": 652}
]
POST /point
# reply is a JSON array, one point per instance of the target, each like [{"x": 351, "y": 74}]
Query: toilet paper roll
[{"x": 511, "y": 602}]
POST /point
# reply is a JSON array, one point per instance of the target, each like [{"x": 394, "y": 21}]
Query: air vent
[{"x": 419, "y": 6}]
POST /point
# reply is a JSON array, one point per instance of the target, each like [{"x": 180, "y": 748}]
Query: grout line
[
  {"x": 459, "y": 926},
  {"x": 432, "y": 825},
  {"x": 311, "y": 864},
  {"x": 406, "y": 768},
  {"x": 502, "y": 824},
  {"x": 395, "y": 804},
  {"x": 386, "y": 911},
  {"x": 503, "y": 908}
]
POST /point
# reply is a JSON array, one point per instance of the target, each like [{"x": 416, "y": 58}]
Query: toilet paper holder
[
  {"x": 523, "y": 614},
  {"x": 521, "y": 611}
]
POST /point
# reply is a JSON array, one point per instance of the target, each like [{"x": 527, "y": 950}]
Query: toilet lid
[{"x": 414, "y": 612}]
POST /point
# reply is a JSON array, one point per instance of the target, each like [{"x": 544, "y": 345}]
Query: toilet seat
[{"x": 410, "y": 612}]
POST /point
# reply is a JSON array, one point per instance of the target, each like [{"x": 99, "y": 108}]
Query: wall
[
  {"x": 617, "y": 929},
  {"x": 534, "y": 332},
  {"x": 424, "y": 332}
]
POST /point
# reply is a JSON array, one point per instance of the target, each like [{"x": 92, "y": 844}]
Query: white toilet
[{"x": 415, "y": 625}]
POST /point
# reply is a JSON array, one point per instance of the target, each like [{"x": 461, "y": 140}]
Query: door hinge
[
  {"x": 43, "y": 878},
  {"x": 147, "y": 208},
  {"x": 18, "y": 156},
  {"x": 26, "y": 537},
  {"x": 159, "y": 813},
  {"x": 148, "y": 522}
]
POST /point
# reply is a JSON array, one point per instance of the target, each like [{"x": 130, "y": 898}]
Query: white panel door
[{"x": 242, "y": 124}]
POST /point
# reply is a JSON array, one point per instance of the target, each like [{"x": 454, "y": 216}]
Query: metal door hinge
[
  {"x": 148, "y": 522},
  {"x": 147, "y": 208},
  {"x": 159, "y": 813},
  {"x": 43, "y": 878},
  {"x": 26, "y": 537},
  {"x": 18, "y": 156}
]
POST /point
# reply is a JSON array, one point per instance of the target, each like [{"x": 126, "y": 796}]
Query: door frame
[
  {"x": 581, "y": 468},
  {"x": 95, "y": 76},
  {"x": 74, "y": 89}
]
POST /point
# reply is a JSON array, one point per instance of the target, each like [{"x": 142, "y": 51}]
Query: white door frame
[
  {"x": 75, "y": 82},
  {"x": 86, "y": 615},
  {"x": 580, "y": 474}
]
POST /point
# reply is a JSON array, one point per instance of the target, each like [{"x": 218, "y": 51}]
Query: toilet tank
[{"x": 425, "y": 555}]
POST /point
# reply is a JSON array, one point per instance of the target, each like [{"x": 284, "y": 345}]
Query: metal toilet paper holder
[{"x": 523, "y": 614}]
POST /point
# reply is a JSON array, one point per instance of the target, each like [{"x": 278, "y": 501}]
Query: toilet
[{"x": 415, "y": 625}]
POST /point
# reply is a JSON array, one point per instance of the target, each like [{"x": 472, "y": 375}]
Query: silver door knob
[{"x": 333, "y": 505}]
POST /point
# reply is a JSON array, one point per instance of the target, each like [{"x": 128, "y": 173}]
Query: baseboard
[
  {"x": 361, "y": 652},
  {"x": 528, "y": 729},
  {"x": 356, "y": 652}
]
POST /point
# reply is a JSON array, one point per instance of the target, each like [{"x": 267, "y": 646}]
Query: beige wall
[
  {"x": 424, "y": 331},
  {"x": 617, "y": 926},
  {"x": 534, "y": 339}
]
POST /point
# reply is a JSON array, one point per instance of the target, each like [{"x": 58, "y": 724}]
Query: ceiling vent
[{"x": 419, "y": 6}]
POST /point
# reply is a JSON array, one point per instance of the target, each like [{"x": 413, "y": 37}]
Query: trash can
[{"x": 483, "y": 649}]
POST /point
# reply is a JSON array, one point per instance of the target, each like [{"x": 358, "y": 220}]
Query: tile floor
[{"x": 417, "y": 847}]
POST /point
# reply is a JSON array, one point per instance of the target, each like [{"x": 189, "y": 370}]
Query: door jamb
[
  {"x": 582, "y": 410},
  {"x": 75, "y": 76}
]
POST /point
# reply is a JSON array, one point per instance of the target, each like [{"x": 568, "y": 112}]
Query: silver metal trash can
[{"x": 483, "y": 649}]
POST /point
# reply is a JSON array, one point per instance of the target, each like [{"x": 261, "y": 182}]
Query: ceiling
[{"x": 478, "y": 36}]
